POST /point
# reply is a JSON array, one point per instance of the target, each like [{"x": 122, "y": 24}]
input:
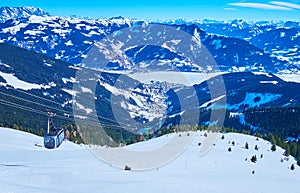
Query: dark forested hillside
[{"x": 283, "y": 121}]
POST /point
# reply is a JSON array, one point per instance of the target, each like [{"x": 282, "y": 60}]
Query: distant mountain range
[
  {"x": 236, "y": 46},
  {"x": 279, "y": 39},
  {"x": 41, "y": 68}
]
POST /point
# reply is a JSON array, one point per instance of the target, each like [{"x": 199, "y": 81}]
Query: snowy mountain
[
  {"x": 282, "y": 43},
  {"x": 45, "y": 83},
  {"x": 246, "y": 94},
  {"x": 70, "y": 39},
  {"x": 60, "y": 38},
  {"x": 28, "y": 167},
  {"x": 8, "y": 13},
  {"x": 279, "y": 39},
  {"x": 31, "y": 83}
]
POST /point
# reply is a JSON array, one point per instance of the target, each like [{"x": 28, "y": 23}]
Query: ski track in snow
[{"x": 26, "y": 167}]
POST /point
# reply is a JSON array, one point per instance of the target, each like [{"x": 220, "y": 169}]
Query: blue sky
[{"x": 169, "y": 9}]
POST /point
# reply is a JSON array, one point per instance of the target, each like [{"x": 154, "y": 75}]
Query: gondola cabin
[{"x": 53, "y": 137}]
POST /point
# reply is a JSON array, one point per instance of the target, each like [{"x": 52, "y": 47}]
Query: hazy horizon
[{"x": 170, "y": 10}]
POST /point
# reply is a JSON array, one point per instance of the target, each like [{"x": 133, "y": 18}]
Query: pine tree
[
  {"x": 281, "y": 142},
  {"x": 292, "y": 167},
  {"x": 258, "y": 135},
  {"x": 254, "y": 159},
  {"x": 273, "y": 148},
  {"x": 16, "y": 127},
  {"x": 298, "y": 152},
  {"x": 271, "y": 138},
  {"x": 293, "y": 147},
  {"x": 246, "y": 146},
  {"x": 287, "y": 151},
  {"x": 127, "y": 167}
]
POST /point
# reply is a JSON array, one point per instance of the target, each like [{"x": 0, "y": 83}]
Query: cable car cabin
[{"x": 53, "y": 137}]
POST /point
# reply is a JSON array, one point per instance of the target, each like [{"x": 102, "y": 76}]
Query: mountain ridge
[{"x": 8, "y": 13}]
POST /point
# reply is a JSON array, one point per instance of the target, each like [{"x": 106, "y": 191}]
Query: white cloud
[
  {"x": 230, "y": 9},
  {"x": 261, "y": 6},
  {"x": 285, "y": 4}
]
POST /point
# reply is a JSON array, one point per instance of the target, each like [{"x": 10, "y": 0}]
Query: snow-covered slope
[{"x": 25, "y": 166}]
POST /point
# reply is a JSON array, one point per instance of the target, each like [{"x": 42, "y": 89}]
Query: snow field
[{"x": 25, "y": 166}]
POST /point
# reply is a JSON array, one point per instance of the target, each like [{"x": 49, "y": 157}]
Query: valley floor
[{"x": 26, "y": 166}]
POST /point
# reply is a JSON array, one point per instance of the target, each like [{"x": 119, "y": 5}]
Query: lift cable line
[
  {"x": 33, "y": 95},
  {"x": 71, "y": 118},
  {"x": 14, "y": 105},
  {"x": 61, "y": 110},
  {"x": 96, "y": 117},
  {"x": 29, "y": 101}
]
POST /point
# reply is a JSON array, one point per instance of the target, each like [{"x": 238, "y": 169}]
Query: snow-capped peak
[{"x": 7, "y": 13}]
